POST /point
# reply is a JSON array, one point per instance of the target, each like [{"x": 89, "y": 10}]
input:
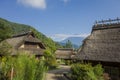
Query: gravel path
[{"x": 58, "y": 73}]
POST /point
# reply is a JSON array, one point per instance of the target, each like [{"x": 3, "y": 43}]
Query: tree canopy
[
  {"x": 5, "y": 30},
  {"x": 68, "y": 44}
]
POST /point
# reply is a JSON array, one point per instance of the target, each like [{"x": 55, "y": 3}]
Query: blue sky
[{"x": 60, "y": 19}]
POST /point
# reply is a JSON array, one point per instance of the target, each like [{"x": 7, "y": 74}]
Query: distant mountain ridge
[{"x": 76, "y": 41}]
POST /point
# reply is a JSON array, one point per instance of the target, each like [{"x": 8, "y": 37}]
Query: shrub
[
  {"x": 86, "y": 72},
  {"x": 50, "y": 59},
  {"x": 5, "y": 48},
  {"x": 67, "y": 62}
]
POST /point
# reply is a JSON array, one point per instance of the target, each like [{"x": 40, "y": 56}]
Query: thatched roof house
[
  {"x": 103, "y": 45},
  {"x": 64, "y": 53},
  {"x": 26, "y": 42}
]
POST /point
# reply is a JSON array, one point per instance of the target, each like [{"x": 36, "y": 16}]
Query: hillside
[{"x": 7, "y": 29}]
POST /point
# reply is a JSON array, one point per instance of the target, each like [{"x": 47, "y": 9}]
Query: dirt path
[{"x": 58, "y": 73}]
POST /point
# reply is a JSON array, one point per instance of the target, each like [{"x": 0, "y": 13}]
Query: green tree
[
  {"x": 5, "y": 30},
  {"x": 68, "y": 44},
  {"x": 50, "y": 59}
]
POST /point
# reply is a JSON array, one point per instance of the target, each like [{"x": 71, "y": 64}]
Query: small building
[
  {"x": 103, "y": 46},
  {"x": 26, "y": 42},
  {"x": 64, "y": 53}
]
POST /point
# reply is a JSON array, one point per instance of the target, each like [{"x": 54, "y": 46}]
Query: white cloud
[
  {"x": 60, "y": 37},
  {"x": 40, "y": 4},
  {"x": 66, "y": 1}
]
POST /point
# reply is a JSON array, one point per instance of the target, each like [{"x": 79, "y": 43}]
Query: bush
[
  {"x": 50, "y": 59},
  {"x": 86, "y": 72},
  {"x": 67, "y": 62},
  {"x": 5, "y": 48},
  {"x": 22, "y": 67}
]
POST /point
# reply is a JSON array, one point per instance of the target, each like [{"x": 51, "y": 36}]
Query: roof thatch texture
[
  {"x": 17, "y": 40},
  {"x": 102, "y": 45},
  {"x": 64, "y": 53},
  {"x": 32, "y": 51}
]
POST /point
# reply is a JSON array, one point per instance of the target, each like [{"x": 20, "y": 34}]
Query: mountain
[
  {"x": 74, "y": 46},
  {"x": 76, "y": 41},
  {"x": 8, "y": 28}
]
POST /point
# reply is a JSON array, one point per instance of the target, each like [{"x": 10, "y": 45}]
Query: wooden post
[{"x": 12, "y": 71}]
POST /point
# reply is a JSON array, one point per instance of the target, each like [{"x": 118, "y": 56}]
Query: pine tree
[{"x": 68, "y": 44}]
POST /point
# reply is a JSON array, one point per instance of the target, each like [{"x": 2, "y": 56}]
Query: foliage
[
  {"x": 5, "y": 30},
  {"x": 4, "y": 67},
  {"x": 5, "y": 48},
  {"x": 98, "y": 70},
  {"x": 50, "y": 59},
  {"x": 67, "y": 62},
  {"x": 24, "y": 67},
  {"x": 68, "y": 44},
  {"x": 87, "y": 72}
]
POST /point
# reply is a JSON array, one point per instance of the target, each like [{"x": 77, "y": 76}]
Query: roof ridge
[{"x": 22, "y": 33}]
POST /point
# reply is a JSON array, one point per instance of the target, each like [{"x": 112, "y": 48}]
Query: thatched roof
[
  {"x": 64, "y": 53},
  {"x": 102, "y": 45},
  {"x": 17, "y": 40},
  {"x": 23, "y": 34}
]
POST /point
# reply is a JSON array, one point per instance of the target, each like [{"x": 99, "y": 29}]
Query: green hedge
[{"x": 86, "y": 72}]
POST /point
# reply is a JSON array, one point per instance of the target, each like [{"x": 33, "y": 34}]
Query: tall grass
[{"x": 22, "y": 67}]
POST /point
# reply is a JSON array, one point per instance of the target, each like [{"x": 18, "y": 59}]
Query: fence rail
[{"x": 109, "y": 21}]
